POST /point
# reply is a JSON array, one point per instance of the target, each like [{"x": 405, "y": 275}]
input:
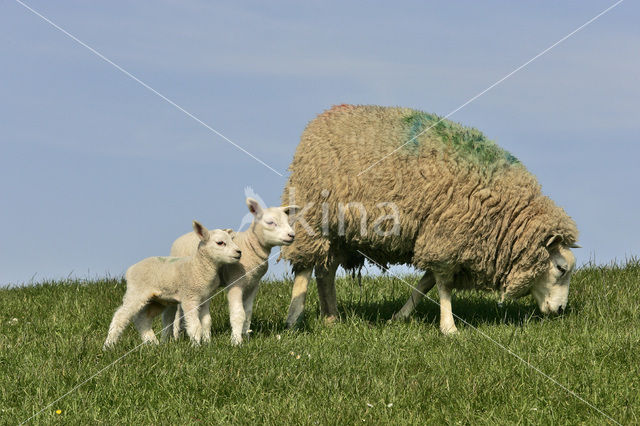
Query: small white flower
[
  {"x": 369, "y": 405},
  {"x": 389, "y": 405},
  {"x": 278, "y": 337},
  {"x": 13, "y": 321}
]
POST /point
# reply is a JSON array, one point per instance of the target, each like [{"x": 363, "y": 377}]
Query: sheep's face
[
  {"x": 551, "y": 289},
  {"x": 217, "y": 244},
  {"x": 273, "y": 225}
]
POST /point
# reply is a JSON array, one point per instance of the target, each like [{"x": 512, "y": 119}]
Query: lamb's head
[
  {"x": 272, "y": 225},
  {"x": 217, "y": 244},
  {"x": 551, "y": 287}
]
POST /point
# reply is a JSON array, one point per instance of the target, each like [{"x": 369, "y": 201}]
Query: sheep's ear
[
  {"x": 254, "y": 207},
  {"x": 201, "y": 231},
  {"x": 291, "y": 210},
  {"x": 231, "y": 232},
  {"x": 553, "y": 240}
]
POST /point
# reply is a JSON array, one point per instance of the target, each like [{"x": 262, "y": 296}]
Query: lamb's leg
[
  {"x": 424, "y": 285},
  {"x": 192, "y": 320},
  {"x": 205, "y": 321},
  {"x": 298, "y": 295},
  {"x": 236, "y": 313},
  {"x": 247, "y": 302},
  {"x": 144, "y": 322},
  {"x": 130, "y": 307},
  {"x": 326, "y": 280},
  {"x": 168, "y": 316},
  {"x": 444, "y": 283},
  {"x": 178, "y": 322}
]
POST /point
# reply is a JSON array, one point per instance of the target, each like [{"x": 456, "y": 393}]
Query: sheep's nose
[
  {"x": 291, "y": 235},
  {"x": 560, "y": 310},
  {"x": 239, "y": 252}
]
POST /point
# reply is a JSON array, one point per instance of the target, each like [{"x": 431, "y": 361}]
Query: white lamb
[
  {"x": 270, "y": 227},
  {"x": 156, "y": 282}
]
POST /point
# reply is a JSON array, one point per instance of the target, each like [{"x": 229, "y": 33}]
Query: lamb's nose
[
  {"x": 291, "y": 234},
  {"x": 239, "y": 252},
  {"x": 560, "y": 310}
]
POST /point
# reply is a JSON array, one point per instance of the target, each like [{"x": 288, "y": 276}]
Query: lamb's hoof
[
  {"x": 236, "y": 341},
  {"x": 330, "y": 320},
  {"x": 107, "y": 347},
  {"x": 449, "y": 331},
  {"x": 399, "y": 317}
]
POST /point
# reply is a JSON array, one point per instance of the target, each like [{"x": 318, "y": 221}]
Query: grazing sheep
[
  {"x": 270, "y": 228},
  {"x": 448, "y": 201},
  {"x": 156, "y": 282}
]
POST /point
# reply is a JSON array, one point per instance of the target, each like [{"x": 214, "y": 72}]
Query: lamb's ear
[
  {"x": 574, "y": 245},
  {"x": 201, "y": 231},
  {"x": 291, "y": 210},
  {"x": 553, "y": 240},
  {"x": 231, "y": 232},
  {"x": 254, "y": 207}
]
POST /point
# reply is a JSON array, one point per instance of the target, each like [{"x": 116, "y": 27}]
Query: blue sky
[{"x": 97, "y": 172}]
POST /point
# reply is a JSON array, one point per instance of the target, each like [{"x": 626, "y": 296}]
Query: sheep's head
[
  {"x": 217, "y": 244},
  {"x": 273, "y": 224},
  {"x": 551, "y": 288}
]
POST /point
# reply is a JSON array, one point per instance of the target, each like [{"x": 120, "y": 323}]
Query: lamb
[
  {"x": 463, "y": 210},
  {"x": 270, "y": 228},
  {"x": 156, "y": 282}
]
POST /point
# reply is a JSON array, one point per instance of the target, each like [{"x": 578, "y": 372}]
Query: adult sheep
[{"x": 448, "y": 201}]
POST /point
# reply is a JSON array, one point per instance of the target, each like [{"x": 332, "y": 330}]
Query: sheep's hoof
[
  {"x": 330, "y": 320},
  {"x": 449, "y": 331},
  {"x": 398, "y": 316},
  {"x": 236, "y": 341}
]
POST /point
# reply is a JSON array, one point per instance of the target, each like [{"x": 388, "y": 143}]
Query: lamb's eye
[
  {"x": 221, "y": 243},
  {"x": 270, "y": 222},
  {"x": 562, "y": 269}
]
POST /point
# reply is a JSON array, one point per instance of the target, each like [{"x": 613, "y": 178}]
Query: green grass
[{"x": 364, "y": 369}]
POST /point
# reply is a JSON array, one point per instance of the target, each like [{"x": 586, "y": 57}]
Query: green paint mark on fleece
[
  {"x": 168, "y": 259},
  {"x": 467, "y": 141}
]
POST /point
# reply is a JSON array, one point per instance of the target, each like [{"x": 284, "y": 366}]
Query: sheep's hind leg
[
  {"x": 421, "y": 289},
  {"x": 168, "y": 317},
  {"x": 130, "y": 307},
  {"x": 447, "y": 324},
  {"x": 326, "y": 281},
  {"x": 144, "y": 322},
  {"x": 298, "y": 296}
]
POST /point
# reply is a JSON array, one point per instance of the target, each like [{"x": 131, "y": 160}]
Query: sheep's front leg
[
  {"x": 248, "y": 299},
  {"x": 192, "y": 320},
  {"x": 298, "y": 295},
  {"x": 205, "y": 321},
  {"x": 424, "y": 285},
  {"x": 447, "y": 324},
  {"x": 236, "y": 314}
]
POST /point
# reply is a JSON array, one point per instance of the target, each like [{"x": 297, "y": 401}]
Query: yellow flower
[
  {"x": 58, "y": 411},
  {"x": 298, "y": 357}
]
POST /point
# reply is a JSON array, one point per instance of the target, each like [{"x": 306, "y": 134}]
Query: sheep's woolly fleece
[{"x": 465, "y": 204}]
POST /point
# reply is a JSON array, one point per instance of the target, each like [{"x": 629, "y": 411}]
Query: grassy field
[{"x": 364, "y": 369}]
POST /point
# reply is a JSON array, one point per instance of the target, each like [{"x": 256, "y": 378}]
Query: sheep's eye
[
  {"x": 270, "y": 222},
  {"x": 562, "y": 269},
  {"x": 221, "y": 243}
]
